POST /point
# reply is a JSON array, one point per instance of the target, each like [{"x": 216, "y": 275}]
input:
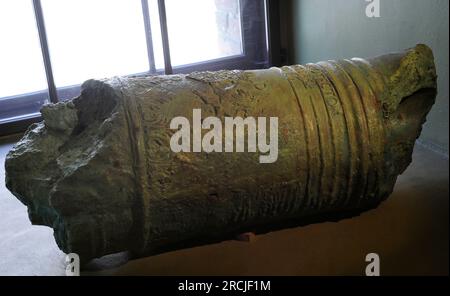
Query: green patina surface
[{"x": 99, "y": 169}]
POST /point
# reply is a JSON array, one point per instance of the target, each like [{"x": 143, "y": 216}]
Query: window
[
  {"x": 94, "y": 39},
  {"x": 23, "y": 85},
  {"x": 50, "y": 47}
]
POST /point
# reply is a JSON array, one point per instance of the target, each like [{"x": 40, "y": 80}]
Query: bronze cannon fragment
[{"x": 99, "y": 169}]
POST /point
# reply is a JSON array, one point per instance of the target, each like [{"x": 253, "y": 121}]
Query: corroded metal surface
[{"x": 100, "y": 171}]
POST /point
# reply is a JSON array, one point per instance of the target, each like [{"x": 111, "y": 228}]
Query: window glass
[
  {"x": 21, "y": 66},
  {"x": 203, "y": 30},
  {"x": 94, "y": 39}
]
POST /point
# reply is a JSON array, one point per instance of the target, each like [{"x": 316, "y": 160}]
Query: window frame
[{"x": 253, "y": 38}]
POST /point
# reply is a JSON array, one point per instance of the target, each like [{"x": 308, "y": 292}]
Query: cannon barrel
[{"x": 99, "y": 169}]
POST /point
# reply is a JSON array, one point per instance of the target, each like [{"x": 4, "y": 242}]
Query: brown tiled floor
[{"x": 410, "y": 232}]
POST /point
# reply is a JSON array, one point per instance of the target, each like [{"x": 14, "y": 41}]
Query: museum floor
[{"x": 409, "y": 231}]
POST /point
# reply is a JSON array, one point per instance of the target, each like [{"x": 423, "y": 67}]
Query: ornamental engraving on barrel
[{"x": 99, "y": 169}]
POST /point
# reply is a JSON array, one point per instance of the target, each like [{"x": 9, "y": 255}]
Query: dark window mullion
[
  {"x": 164, "y": 37},
  {"x": 148, "y": 36},
  {"x": 45, "y": 52}
]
